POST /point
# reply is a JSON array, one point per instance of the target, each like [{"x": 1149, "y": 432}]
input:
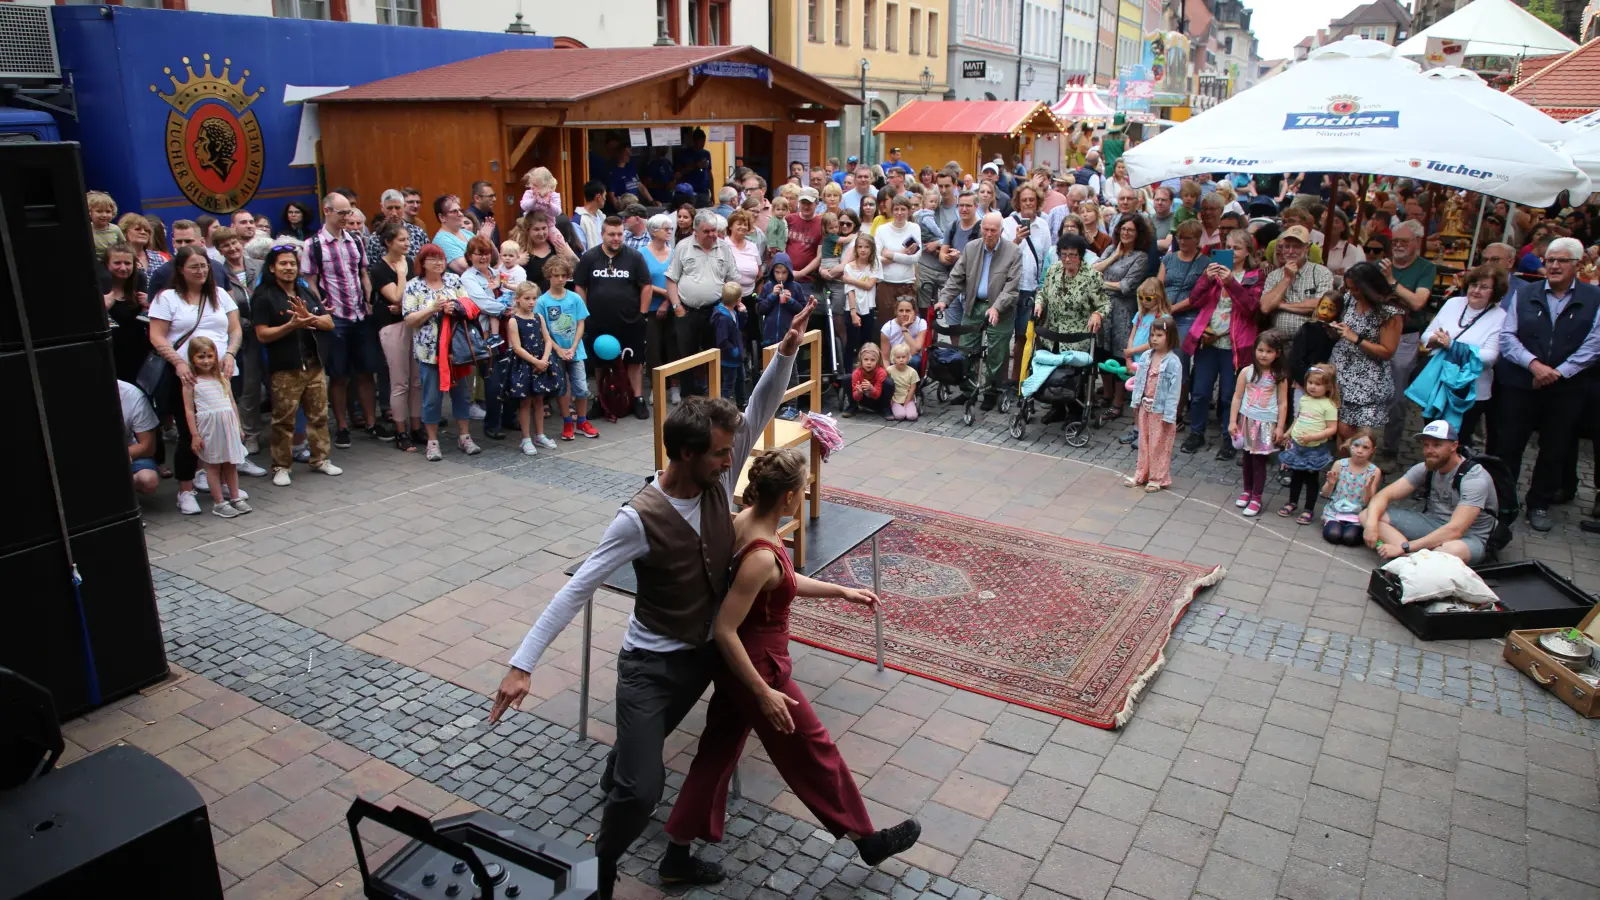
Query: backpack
[
  {"x": 1505, "y": 492},
  {"x": 616, "y": 392}
]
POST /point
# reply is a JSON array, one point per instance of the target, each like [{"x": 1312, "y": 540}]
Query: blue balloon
[{"x": 607, "y": 347}]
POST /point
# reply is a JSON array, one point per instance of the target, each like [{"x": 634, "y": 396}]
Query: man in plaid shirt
[
  {"x": 334, "y": 262},
  {"x": 634, "y": 233}
]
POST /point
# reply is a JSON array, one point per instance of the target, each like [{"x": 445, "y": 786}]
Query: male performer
[{"x": 678, "y": 534}]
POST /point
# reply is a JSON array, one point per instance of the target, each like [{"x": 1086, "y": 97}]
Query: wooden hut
[
  {"x": 970, "y": 132},
  {"x": 496, "y": 117}
]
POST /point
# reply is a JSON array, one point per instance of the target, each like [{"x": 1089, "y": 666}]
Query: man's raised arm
[{"x": 767, "y": 395}]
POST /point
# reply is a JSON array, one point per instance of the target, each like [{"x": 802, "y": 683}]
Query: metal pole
[
  {"x": 1472, "y": 254},
  {"x": 877, "y": 611},
  {"x": 864, "y": 107},
  {"x": 583, "y": 681}
]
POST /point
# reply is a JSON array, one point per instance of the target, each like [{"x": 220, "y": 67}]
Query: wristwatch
[{"x": 1405, "y": 546}]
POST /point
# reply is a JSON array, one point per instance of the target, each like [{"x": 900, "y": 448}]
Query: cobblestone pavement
[{"x": 1300, "y": 743}]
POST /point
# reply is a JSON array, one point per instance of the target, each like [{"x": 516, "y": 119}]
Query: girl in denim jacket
[{"x": 1155, "y": 395}]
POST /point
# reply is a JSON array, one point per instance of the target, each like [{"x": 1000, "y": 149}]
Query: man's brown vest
[{"x": 684, "y": 577}]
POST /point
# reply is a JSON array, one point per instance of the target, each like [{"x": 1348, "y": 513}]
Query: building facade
[
  {"x": 1235, "y": 47},
  {"x": 1105, "y": 61},
  {"x": 1005, "y": 49},
  {"x": 1380, "y": 20},
  {"x": 1080, "y": 38},
  {"x": 887, "y": 52}
]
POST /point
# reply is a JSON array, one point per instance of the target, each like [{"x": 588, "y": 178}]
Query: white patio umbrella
[
  {"x": 1492, "y": 28},
  {"x": 1585, "y": 152},
  {"x": 1531, "y": 120},
  {"x": 1355, "y": 106}
]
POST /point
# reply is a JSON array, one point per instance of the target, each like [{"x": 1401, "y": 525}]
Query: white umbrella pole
[{"x": 1472, "y": 254}]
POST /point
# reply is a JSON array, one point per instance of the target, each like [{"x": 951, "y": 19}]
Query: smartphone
[
  {"x": 1222, "y": 258},
  {"x": 911, "y": 244}
]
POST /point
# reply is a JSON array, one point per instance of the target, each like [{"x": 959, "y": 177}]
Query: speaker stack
[{"x": 100, "y": 639}]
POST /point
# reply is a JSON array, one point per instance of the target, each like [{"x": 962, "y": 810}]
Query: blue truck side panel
[{"x": 113, "y": 56}]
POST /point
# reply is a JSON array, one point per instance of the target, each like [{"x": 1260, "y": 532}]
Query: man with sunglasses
[
  {"x": 1547, "y": 348},
  {"x": 1411, "y": 278}
]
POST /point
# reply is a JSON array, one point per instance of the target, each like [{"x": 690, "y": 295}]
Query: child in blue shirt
[
  {"x": 727, "y": 324},
  {"x": 561, "y": 313}
]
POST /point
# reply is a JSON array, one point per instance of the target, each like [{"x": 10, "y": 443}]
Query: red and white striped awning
[{"x": 1081, "y": 102}]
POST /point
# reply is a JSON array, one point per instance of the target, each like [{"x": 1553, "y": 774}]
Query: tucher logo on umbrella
[
  {"x": 1343, "y": 112},
  {"x": 213, "y": 142}
]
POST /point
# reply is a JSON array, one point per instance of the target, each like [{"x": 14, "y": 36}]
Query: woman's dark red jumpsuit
[{"x": 807, "y": 758}]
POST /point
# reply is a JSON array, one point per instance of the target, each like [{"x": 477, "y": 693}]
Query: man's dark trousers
[
  {"x": 654, "y": 692},
  {"x": 1554, "y": 412}
]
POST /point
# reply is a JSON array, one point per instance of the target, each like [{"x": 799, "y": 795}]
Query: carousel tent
[
  {"x": 1356, "y": 106},
  {"x": 1492, "y": 28},
  {"x": 1081, "y": 102}
]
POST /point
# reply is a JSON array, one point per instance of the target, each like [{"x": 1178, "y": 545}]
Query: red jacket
[
  {"x": 876, "y": 379},
  {"x": 1244, "y": 321}
]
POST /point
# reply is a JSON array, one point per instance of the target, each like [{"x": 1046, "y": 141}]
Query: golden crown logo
[
  {"x": 214, "y": 145},
  {"x": 185, "y": 94}
]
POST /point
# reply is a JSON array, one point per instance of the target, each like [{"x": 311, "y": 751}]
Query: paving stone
[
  {"x": 1253, "y": 842},
  {"x": 1153, "y": 875},
  {"x": 1136, "y": 767},
  {"x": 996, "y": 763},
  {"x": 1075, "y": 874},
  {"x": 1191, "y": 803},
  {"x": 1416, "y": 853},
  {"x": 1117, "y": 799},
  {"x": 1099, "y": 834},
  {"x": 1224, "y": 876},
  {"x": 1183, "y": 841},
  {"x": 996, "y": 870},
  {"x": 1331, "y": 847},
  {"x": 1021, "y": 832}
]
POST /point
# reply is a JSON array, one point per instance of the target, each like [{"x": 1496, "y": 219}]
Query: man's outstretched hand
[
  {"x": 797, "y": 330},
  {"x": 512, "y": 689}
]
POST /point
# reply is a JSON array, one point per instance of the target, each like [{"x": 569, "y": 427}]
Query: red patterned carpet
[{"x": 1061, "y": 626}]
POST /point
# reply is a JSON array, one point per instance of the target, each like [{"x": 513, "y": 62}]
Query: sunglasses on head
[{"x": 279, "y": 247}]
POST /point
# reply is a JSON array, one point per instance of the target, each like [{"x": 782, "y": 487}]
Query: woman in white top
[
  {"x": 193, "y": 307},
  {"x": 1113, "y": 186},
  {"x": 1474, "y": 318},
  {"x": 1340, "y": 253},
  {"x": 746, "y": 252},
  {"x": 1031, "y": 233},
  {"x": 860, "y": 274},
  {"x": 899, "y": 243}
]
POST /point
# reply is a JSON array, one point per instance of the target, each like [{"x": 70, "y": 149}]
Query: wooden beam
[
  {"x": 514, "y": 158},
  {"x": 812, "y": 114},
  {"x": 685, "y": 94},
  {"x": 530, "y": 117}
]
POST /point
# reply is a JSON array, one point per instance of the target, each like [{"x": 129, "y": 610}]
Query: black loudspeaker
[
  {"x": 47, "y": 227},
  {"x": 94, "y": 642},
  {"x": 43, "y": 638},
  {"x": 85, "y": 414},
  {"x": 119, "y": 823}
]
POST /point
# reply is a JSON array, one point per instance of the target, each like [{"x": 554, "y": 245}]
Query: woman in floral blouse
[
  {"x": 429, "y": 296},
  {"x": 1073, "y": 297}
]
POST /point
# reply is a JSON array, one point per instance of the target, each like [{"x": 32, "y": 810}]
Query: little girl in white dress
[{"x": 215, "y": 425}]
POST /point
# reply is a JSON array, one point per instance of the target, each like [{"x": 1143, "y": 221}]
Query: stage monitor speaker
[
  {"x": 118, "y": 823},
  {"x": 43, "y": 638},
  {"x": 47, "y": 231},
  {"x": 85, "y": 413}
]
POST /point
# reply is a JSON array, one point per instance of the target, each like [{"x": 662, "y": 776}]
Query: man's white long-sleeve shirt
[{"x": 624, "y": 540}]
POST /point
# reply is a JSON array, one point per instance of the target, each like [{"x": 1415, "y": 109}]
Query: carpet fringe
[{"x": 1138, "y": 686}]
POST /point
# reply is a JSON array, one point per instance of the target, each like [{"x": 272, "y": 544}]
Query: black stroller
[
  {"x": 948, "y": 364},
  {"x": 1070, "y": 388}
]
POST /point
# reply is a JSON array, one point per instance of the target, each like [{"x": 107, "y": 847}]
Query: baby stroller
[
  {"x": 948, "y": 365},
  {"x": 1071, "y": 388}
]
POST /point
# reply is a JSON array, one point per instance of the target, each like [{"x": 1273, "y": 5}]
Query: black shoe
[
  {"x": 341, "y": 438},
  {"x": 1539, "y": 519},
  {"x": 419, "y": 436},
  {"x": 1226, "y": 451},
  {"x": 383, "y": 431},
  {"x": 402, "y": 442},
  {"x": 607, "y": 879},
  {"x": 958, "y": 400},
  {"x": 682, "y": 868},
  {"x": 1193, "y": 443},
  {"x": 1592, "y": 526},
  {"x": 1132, "y": 437},
  {"x": 880, "y": 845},
  {"x": 1056, "y": 414},
  {"x": 1566, "y": 496},
  {"x": 494, "y": 434},
  {"x": 989, "y": 400},
  {"x": 640, "y": 411}
]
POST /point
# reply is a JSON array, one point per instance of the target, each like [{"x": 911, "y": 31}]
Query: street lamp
[
  {"x": 1027, "y": 75},
  {"x": 926, "y": 79},
  {"x": 865, "y": 65}
]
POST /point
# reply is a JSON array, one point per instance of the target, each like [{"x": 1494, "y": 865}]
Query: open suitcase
[
  {"x": 1523, "y": 652},
  {"x": 1532, "y": 594}
]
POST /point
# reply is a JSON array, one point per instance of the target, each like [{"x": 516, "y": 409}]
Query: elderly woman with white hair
[
  {"x": 1411, "y": 279},
  {"x": 1548, "y": 346},
  {"x": 658, "y": 336}
]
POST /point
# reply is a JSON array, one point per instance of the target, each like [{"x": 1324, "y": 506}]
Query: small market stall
[
  {"x": 498, "y": 116},
  {"x": 970, "y": 132}
]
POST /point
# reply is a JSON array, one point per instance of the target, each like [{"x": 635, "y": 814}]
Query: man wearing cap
[
  {"x": 894, "y": 162},
  {"x": 805, "y": 236},
  {"x": 1548, "y": 346},
  {"x": 842, "y": 176},
  {"x": 1454, "y": 517},
  {"x": 1055, "y": 195},
  {"x": 863, "y": 188},
  {"x": 984, "y": 281},
  {"x": 1291, "y": 292}
]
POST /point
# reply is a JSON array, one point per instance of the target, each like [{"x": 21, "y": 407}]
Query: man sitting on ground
[
  {"x": 139, "y": 425},
  {"x": 1455, "y": 519}
]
